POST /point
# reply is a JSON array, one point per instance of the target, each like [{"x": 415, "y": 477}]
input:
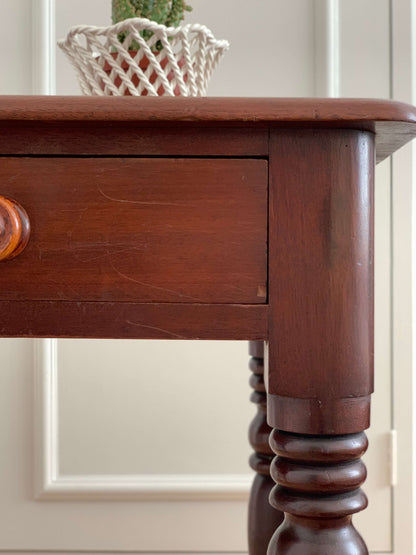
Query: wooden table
[{"x": 243, "y": 219}]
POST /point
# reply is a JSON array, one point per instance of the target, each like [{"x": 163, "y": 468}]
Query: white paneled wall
[
  {"x": 201, "y": 430},
  {"x": 101, "y": 444},
  {"x": 16, "y": 43}
]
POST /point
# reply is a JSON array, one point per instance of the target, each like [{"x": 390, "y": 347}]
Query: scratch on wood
[
  {"x": 154, "y": 286},
  {"x": 154, "y": 328},
  {"x": 140, "y": 201},
  {"x": 81, "y": 212},
  {"x": 106, "y": 253}
]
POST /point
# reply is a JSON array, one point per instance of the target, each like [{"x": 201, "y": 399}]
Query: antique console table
[{"x": 243, "y": 219}]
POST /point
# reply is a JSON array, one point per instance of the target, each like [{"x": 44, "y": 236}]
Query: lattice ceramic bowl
[{"x": 173, "y": 61}]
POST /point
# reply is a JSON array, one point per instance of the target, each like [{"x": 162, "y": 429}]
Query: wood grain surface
[
  {"x": 321, "y": 278},
  {"x": 203, "y": 109},
  {"x": 132, "y": 320},
  {"x": 393, "y": 122},
  {"x": 318, "y": 488},
  {"x": 144, "y": 230},
  {"x": 127, "y": 139}
]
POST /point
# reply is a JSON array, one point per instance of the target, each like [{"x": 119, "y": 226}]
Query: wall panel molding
[
  {"x": 327, "y": 48},
  {"x": 43, "y": 47},
  {"x": 50, "y": 484}
]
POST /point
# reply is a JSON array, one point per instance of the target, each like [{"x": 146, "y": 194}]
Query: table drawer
[{"x": 139, "y": 229}]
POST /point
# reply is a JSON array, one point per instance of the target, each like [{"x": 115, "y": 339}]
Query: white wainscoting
[{"x": 51, "y": 484}]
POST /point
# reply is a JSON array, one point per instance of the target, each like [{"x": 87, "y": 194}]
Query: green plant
[{"x": 164, "y": 12}]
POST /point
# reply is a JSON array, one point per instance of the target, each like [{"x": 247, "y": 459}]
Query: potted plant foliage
[
  {"x": 165, "y": 12},
  {"x": 145, "y": 52},
  {"x": 169, "y": 13}
]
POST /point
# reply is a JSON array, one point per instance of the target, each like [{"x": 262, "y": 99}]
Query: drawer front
[{"x": 139, "y": 229}]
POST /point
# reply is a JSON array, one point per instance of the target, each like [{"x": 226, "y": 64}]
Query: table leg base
[
  {"x": 302, "y": 536},
  {"x": 263, "y": 519},
  {"x": 319, "y": 479}
]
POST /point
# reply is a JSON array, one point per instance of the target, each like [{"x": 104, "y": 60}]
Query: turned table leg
[
  {"x": 263, "y": 519},
  {"x": 319, "y": 481},
  {"x": 320, "y": 348}
]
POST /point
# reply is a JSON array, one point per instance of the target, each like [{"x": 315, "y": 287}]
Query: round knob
[{"x": 14, "y": 228}]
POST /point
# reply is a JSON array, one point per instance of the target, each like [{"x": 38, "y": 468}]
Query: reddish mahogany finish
[
  {"x": 321, "y": 280},
  {"x": 150, "y": 220},
  {"x": 132, "y": 320},
  {"x": 128, "y": 229},
  {"x": 263, "y": 519},
  {"x": 14, "y": 229},
  {"x": 319, "y": 489},
  {"x": 124, "y": 139},
  {"x": 393, "y": 122},
  {"x": 320, "y": 334}
]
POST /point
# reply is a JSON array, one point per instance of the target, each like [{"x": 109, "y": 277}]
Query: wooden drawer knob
[{"x": 14, "y": 228}]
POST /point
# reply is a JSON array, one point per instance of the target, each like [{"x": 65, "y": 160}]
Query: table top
[
  {"x": 215, "y": 109},
  {"x": 394, "y": 123}
]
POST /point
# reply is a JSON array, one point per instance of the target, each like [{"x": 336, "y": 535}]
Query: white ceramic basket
[{"x": 173, "y": 61}]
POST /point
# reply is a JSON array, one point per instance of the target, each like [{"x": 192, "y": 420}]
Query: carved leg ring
[
  {"x": 263, "y": 519},
  {"x": 319, "y": 479}
]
